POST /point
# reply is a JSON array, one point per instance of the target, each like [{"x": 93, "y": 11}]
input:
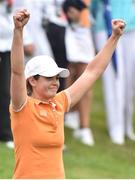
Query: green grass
[{"x": 104, "y": 160}]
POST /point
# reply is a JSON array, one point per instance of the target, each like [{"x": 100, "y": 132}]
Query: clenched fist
[
  {"x": 118, "y": 27},
  {"x": 21, "y": 18}
]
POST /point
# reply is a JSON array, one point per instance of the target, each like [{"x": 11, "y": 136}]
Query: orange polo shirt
[{"x": 38, "y": 132}]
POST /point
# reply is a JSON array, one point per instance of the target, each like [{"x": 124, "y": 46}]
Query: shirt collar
[{"x": 37, "y": 101}]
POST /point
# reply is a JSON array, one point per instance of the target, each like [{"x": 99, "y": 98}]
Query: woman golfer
[{"x": 37, "y": 111}]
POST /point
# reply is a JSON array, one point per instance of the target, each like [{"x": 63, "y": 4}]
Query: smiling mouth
[{"x": 54, "y": 88}]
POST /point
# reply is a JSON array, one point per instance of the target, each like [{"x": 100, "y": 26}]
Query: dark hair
[
  {"x": 78, "y": 4},
  {"x": 28, "y": 85}
]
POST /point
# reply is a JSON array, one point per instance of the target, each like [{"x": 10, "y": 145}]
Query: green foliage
[{"x": 104, "y": 160}]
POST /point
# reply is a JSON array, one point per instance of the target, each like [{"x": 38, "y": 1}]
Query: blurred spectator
[
  {"x": 118, "y": 79},
  {"x": 29, "y": 47},
  {"x": 6, "y": 28},
  {"x": 55, "y": 23},
  {"x": 38, "y": 35},
  {"x": 46, "y": 16},
  {"x": 80, "y": 51}
]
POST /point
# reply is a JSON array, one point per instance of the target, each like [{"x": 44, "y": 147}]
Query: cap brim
[{"x": 63, "y": 73}]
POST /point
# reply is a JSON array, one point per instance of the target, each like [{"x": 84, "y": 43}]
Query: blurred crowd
[{"x": 72, "y": 32}]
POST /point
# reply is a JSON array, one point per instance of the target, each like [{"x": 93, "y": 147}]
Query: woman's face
[{"x": 45, "y": 88}]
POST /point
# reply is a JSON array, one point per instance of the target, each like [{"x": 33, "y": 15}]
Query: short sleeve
[{"x": 64, "y": 98}]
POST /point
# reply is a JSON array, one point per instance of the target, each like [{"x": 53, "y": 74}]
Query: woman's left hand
[{"x": 118, "y": 26}]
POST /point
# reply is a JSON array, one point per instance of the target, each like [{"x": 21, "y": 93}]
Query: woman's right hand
[{"x": 21, "y": 18}]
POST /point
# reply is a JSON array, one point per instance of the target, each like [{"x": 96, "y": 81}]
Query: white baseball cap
[{"x": 44, "y": 65}]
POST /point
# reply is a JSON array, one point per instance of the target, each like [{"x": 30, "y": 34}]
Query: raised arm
[
  {"x": 18, "y": 82},
  {"x": 96, "y": 67}
]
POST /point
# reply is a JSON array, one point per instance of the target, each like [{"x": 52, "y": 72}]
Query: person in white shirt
[
  {"x": 80, "y": 50},
  {"x": 35, "y": 28},
  {"x": 6, "y": 26},
  {"x": 55, "y": 23}
]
